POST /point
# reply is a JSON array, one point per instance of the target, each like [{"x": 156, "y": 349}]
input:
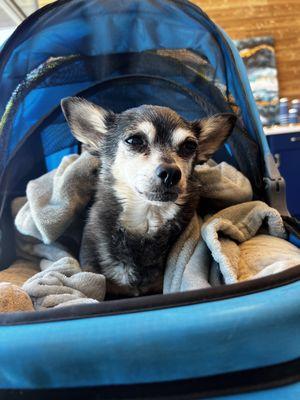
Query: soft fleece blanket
[
  {"x": 241, "y": 242},
  {"x": 222, "y": 249}
]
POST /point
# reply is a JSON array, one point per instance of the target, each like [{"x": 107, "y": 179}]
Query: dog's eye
[
  {"x": 188, "y": 148},
  {"x": 135, "y": 140}
]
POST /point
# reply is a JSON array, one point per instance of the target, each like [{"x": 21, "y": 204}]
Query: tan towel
[
  {"x": 19, "y": 272},
  {"x": 13, "y": 298}
]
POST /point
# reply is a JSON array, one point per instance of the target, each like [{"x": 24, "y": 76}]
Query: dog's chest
[
  {"x": 142, "y": 218},
  {"x": 142, "y": 251}
]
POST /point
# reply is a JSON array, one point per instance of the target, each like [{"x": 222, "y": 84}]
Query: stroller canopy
[{"x": 120, "y": 54}]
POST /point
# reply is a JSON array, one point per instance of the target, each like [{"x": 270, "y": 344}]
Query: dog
[{"x": 146, "y": 193}]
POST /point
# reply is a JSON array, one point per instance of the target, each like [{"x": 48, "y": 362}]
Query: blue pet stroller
[{"x": 240, "y": 341}]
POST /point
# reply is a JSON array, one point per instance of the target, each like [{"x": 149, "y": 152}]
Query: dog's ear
[
  {"x": 212, "y": 133},
  {"x": 88, "y": 121}
]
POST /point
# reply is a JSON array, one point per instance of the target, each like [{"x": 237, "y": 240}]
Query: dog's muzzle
[{"x": 163, "y": 195}]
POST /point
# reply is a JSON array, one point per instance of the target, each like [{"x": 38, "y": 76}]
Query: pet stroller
[{"x": 240, "y": 341}]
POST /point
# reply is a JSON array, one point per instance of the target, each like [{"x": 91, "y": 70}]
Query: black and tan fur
[{"x": 146, "y": 194}]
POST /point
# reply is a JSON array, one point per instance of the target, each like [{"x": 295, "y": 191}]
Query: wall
[{"x": 278, "y": 18}]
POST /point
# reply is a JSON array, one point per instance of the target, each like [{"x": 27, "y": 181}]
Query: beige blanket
[{"x": 241, "y": 242}]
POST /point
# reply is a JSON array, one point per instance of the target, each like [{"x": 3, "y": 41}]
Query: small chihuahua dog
[{"x": 146, "y": 193}]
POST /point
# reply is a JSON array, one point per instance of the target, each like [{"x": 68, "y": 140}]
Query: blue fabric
[
  {"x": 35, "y": 107},
  {"x": 289, "y": 392},
  {"x": 177, "y": 343},
  {"x": 293, "y": 239},
  {"x": 93, "y": 28},
  {"x": 53, "y": 160}
]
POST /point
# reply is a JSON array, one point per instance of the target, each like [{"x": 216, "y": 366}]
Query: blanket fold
[
  {"x": 62, "y": 282},
  {"x": 222, "y": 184},
  {"x": 56, "y": 198},
  {"x": 241, "y": 242}
]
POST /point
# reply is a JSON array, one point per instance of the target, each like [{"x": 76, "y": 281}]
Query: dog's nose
[{"x": 170, "y": 176}]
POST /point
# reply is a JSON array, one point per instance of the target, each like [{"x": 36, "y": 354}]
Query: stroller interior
[{"x": 182, "y": 61}]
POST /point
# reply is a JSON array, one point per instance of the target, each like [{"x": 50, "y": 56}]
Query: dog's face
[{"x": 150, "y": 151}]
